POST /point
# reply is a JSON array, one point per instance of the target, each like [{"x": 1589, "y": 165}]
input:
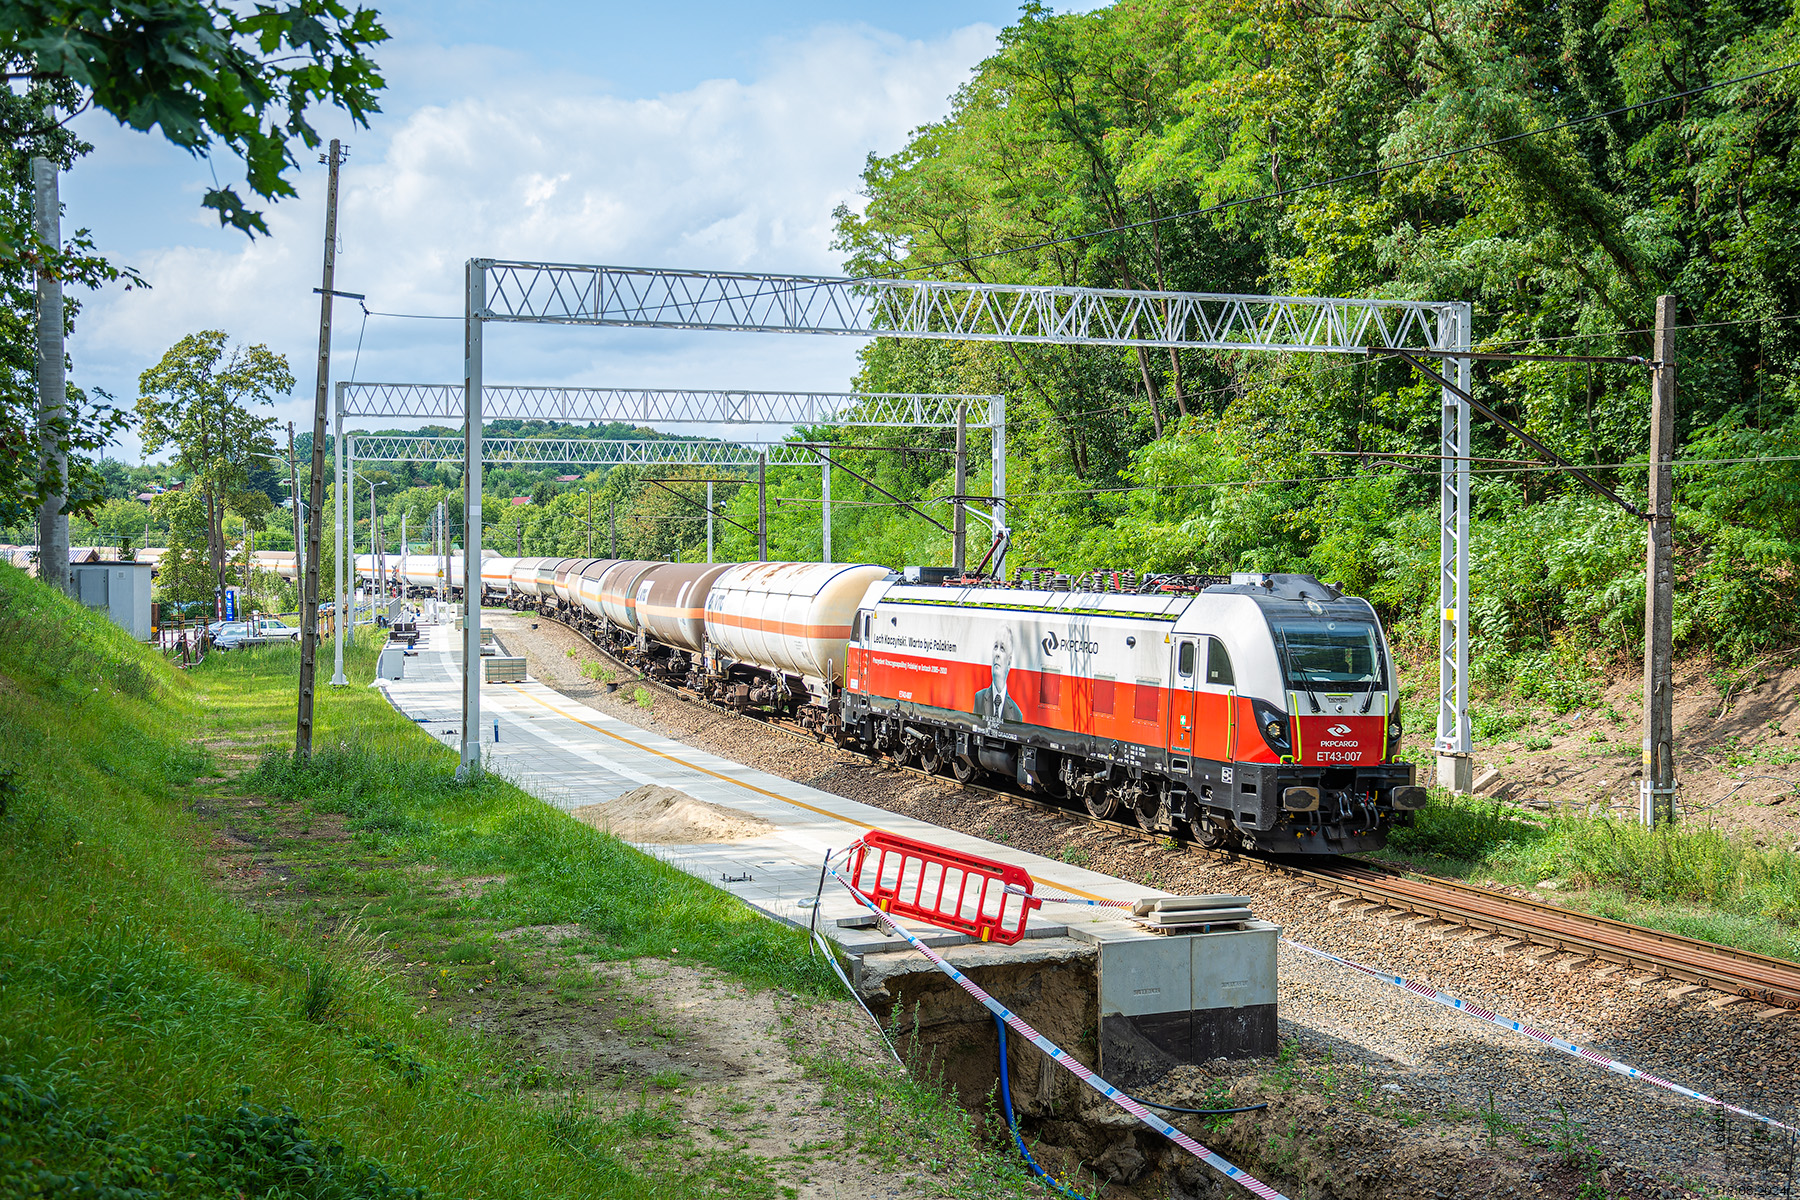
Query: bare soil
[
  {"x": 735, "y": 1069},
  {"x": 1737, "y": 737},
  {"x": 667, "y": 816}
]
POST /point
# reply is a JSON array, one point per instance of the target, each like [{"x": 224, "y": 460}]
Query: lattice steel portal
[
  {"x": 666, "y": 406},
  {"x": 567, "y": 294},
  {"x": 578, "y": 452},
  {"x": 660, "y": 406},
  {"x": 571, "y": 294}
]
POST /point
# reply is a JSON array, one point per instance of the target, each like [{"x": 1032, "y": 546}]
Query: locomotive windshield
[{"x": 1322, "y": 654}]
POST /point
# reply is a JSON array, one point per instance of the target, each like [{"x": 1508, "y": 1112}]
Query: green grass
[
  {"x": 402, "y": 802},
  {"x": 160, "y": 1036},
  {"x": 1688, "y": 879},
  {"x": 156, "y": 1035}
]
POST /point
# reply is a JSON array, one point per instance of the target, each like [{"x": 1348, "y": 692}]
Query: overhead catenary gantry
[
  {"x": 710, "y": 408},
  {"x": 519, "y": 292}
]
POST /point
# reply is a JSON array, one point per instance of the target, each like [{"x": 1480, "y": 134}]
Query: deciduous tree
[{"x": 200, "y": 400}]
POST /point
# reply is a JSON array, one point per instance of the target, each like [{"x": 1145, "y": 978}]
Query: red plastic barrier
[{"x": 962, "y": 892}]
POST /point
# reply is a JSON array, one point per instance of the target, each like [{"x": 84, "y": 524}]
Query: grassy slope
[
  {"x": 147, "y": 1023},
  {"x": 1691, "y": 880},
  {"x": 157, "y": 1037}
]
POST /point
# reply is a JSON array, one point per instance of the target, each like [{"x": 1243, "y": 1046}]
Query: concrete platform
[{"x": 571, "y": 756}]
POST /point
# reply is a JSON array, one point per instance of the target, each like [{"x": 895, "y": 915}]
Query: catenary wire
[{"x": 1570, "y": 337}]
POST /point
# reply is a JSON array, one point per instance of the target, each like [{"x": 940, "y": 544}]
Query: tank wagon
[{"x": 1251, "y": 709}]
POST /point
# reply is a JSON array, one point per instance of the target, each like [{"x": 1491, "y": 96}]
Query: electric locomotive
[{"x": 1256, "y": 710}]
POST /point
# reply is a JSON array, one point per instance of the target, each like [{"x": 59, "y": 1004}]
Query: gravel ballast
[{"x": 1350, "y": 1032}]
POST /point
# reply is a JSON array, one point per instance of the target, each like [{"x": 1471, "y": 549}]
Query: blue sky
[{"x": 678, "y": 134}]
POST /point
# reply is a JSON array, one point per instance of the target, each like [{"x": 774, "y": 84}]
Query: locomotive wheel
[
  {"x": 1146, "y": 811},
  {"x": 1214, "y": 835},
  {"x": 965, "y": 772},
  {"x": 1101, "y": 804},
  {"x": 931, "y": 758}
]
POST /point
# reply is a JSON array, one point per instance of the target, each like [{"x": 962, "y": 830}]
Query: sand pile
[{"x": 663, "y": 815}]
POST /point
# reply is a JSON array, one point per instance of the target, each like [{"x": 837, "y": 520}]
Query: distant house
[
  {"x": 568, "y": 479},
  {"x": 146, "y": 497},
  {"x": 518, "y": 500}
]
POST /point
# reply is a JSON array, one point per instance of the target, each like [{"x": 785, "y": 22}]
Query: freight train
[{"x": 1254, "y": 710}]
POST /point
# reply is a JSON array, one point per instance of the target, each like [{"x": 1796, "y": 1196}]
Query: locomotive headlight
[
  {"x": 1394, "y": 728},
  {"x": 1272, "y": 724}
]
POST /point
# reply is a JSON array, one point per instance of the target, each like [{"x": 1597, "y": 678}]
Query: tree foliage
[
  {"x": 205, "y": 73},
  {"x": 201, "y": 401},
  {"x": 1558, "y": 168}
]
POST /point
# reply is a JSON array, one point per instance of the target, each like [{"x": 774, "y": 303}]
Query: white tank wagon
[
  {"x": 776, "y": 634},
  {"x": 618, "y": 595},
  {"x": 496, "y": 579},
  {"x": 280, "y": 563},
  {"x": 585, "y": 588}
]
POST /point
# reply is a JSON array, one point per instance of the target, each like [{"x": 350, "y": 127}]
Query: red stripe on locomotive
[{"x": 1117, "y": 709}]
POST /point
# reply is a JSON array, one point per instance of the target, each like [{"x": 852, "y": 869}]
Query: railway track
[{"x": 1772, "y": 981}]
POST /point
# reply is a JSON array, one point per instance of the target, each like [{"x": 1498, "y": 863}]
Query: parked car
[
  {"x": 258, "y": 631},
  {"x": 227, "y": 635}
]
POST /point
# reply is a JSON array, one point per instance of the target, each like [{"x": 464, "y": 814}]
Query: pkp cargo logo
[{"x": 1339, "y": 731}]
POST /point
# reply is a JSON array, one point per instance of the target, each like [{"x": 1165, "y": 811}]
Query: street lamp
[
  {"x": 297, "y": 505},
  {"x": 377, "y": 558}
]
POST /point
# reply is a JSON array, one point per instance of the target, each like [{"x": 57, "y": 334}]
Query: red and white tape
[
  {"x": 1234, "y": 1173},
  {"x": 1436, "y": 996},
  {"x": 1570, "y": 1048}
]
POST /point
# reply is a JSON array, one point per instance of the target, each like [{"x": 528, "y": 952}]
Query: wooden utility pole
[
  {"x": 612, "y": 529},
  {"x": 960, "y": 518},
  {"x": 53, "y": 389},
  {"x": 762, "y": 507},
  {"x": 309, "y": 601},
  {"x": 1657, "y": 794},
  {"x": 590, "y": 525}
]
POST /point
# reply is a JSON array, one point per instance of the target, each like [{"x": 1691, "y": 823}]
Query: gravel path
[{"x": 1354, "y": 1032}]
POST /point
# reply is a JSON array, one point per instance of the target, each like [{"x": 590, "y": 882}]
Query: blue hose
[{"x": 1013, "y": 1124}]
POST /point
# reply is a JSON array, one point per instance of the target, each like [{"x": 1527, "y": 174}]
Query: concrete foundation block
[{"x": 1456, "y": 773}]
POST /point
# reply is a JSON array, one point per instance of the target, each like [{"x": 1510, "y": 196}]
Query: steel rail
[{"x": 1773, "y": 981}]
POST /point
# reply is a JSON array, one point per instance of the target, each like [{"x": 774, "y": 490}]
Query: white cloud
[{"x": 727, "y": 175}]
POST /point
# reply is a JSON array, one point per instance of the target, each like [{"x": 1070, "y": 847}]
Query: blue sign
[{"x": 231, "y": 594}]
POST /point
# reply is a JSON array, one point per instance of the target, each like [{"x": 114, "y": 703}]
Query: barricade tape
[
  {"x": 1432, "y": 994},
  {"x": 1019, "y": 891},
  {"x": 1235, "y": 1174}
]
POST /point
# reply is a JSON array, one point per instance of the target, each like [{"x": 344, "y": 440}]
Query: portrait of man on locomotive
[{"x": 992, "y": 701}]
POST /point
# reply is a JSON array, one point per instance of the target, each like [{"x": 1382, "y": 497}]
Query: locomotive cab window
[
  {"x": 1218, "y": 664},
  {"x": 1184, "y": 660},
  {"x": 1335, "y": 655}
]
